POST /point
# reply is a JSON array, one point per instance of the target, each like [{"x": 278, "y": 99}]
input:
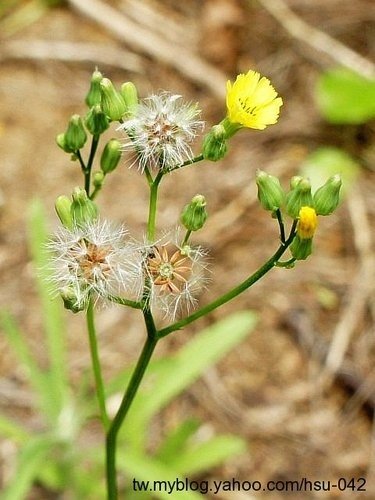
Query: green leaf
[
  {"x": 327, "y": 161},
  {"x": 175, "y": 442},
  {"x": 202, "y": 457},
  {"x": 51, "y": 309},
  {"x": 181, "y": 370},
  {"x": 9, "y": 429},
  {"x": 345, "y": 97},
  {"x": 38, "y": 379},
  {"x": 142, "y": 468},
  {"x": 31, "y": 459}
]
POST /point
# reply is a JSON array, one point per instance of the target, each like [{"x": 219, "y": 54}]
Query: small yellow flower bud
[
  {"x": 130, "y": 96},
  {"x": 62, "y": 207},
  {"x": 112, "y": 103},
  {"x": 299, "y": 196},
  {"x": 94, "y": 96},
  {"x": 194, "y": 215},
  {"x": 270, "y": 192},
  {"x": 214, "y": 144},
  {"x": 307, "y": 223},
  {"x": 75, "y": 136},
  {"x": 83, "y": 209},
  {"x": 327, "y": 197},
  {"x": 111, "y": 156},
  {"x": 96, "y": 121}
]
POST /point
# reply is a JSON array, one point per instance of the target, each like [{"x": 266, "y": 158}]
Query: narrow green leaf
[
  {"x": 31, "y": 460},
  {"x": 141, "y": 468},
  {"x": 174, "y": 443},
  {"x": 9, "y": 429},
  {"x": 38, "y": 379},
  {"x": 51, "y": 308},
  {"x": 204, "y": 456}
]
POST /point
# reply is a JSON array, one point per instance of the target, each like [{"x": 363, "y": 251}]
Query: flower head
[
  {"x": 252, "y": 101},
  {"x": 92, "y": 260},
  {"x": 174, "y": 276},
  {"x": 161, "y": 130}
]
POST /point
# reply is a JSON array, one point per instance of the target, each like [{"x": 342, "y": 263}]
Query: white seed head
[
  {"x": 162, "y": 130},
  {"x": 93, "y": 260}
]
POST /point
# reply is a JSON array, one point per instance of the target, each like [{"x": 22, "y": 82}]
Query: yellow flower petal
[
  {"x": 252, "y": 101},
  {"x": 307, "y": 223}
]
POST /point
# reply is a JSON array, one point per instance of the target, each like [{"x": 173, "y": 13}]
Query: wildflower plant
[{"x": 95, "y": 261}]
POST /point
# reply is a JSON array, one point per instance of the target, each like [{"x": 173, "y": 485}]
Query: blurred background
[{"x": 299, "y": 391}]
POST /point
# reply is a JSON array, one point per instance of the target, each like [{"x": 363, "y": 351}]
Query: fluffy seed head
[{"x": 161, "y": 131}]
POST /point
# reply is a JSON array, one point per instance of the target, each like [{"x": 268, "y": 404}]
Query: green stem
[
  {"x": 154, "y": 185},
  {"x": 87, "y": 171},
  {"x": 270, "y": 264},
  {"x": 281, "y": 225},
  {"x": 81, "y": 162},
  {"x": 125, "y": 302},
  {"x": 196, "y": 159},
  {"x": 131, "y": 391},
  {"x": 96, "y": 365},
  {"x": 186, "y": 239}
]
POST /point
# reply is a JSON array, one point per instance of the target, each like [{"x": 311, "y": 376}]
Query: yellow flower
[
  {"x": 252, "y": 101},
  {"x": 307, "y": 223}
]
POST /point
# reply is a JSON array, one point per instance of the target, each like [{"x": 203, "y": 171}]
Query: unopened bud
[
  {"x": 130, "y": 96},
  {"x": 301, "y": 248},
  {"x": 214, "y": 146},
  {"x": 71, "y": 301},
  {"x": 98, "y": 179},
  {"x": 111, "y": 156},
  {"x": 96, "y": 121},
  {"x": 61, "y": 142},
  {"x": 298, "y": 197},
  {"x": 75, "y": 136},
  {"x": 112, "y": 103},
  {"x": 83, "y": 209},
  {"x": 94, "y": 95},
  {"x": 327, "y": 197},
  {"x": 194, "y": 214},
  {"x": 270, "y": 192},
  {"x": 62, "y": 207}
]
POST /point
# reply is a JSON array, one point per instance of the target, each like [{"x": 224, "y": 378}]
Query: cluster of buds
[{"x": 300, "y": 204}]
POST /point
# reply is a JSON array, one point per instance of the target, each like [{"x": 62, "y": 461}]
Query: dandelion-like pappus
[
  {"x": 93, "y": 260},
  {"x": 161, "y": 131},
  {"x": 175, "y": 276}
]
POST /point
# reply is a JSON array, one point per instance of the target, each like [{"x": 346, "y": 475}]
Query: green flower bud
[
  {"x": 82, "y": 209},
  {"x": 75, "y": 136},
  {"x": 294, "y": 181},
  {"x": 327, "y": 197},
  {"x": 214, "y": 146},
  {"x": 71, "y": 303},
  {"x": 301, "y": 248},
  {"x": 300, "y": 196},
  {"x": 194, "y": 214},
  {"x": 63, "y": 210},
  {"x": 94, "y": 95},
  {"x": 111, "y": 156},
  {"x": 130, "y": 96},
  {"x": 61, "y": 142},
  {"x": 96, "y": 121},
  {"x": 98, "y": 179},
  {"x": 270, "y": 192},
  {"x": 113, "y": 104}
]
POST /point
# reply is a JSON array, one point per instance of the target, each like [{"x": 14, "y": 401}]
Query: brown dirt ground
[{"x": 266, "y": 389}]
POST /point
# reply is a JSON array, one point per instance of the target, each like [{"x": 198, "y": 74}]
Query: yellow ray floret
[
  {"x": 307, "y": 223},
  {"x": 252, "y": 101}
]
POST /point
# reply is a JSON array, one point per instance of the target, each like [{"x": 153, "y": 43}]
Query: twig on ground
[
  {"x": 134, "y": 35},
  {"x": 92, "y": 53},
  {"x": 317, "y": 39}
]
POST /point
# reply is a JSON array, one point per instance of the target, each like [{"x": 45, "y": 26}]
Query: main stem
[
  {"x": 154, "y": 186},
  {"x": 111, "y": 441},
  {"x": 96, "y": 365}
]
